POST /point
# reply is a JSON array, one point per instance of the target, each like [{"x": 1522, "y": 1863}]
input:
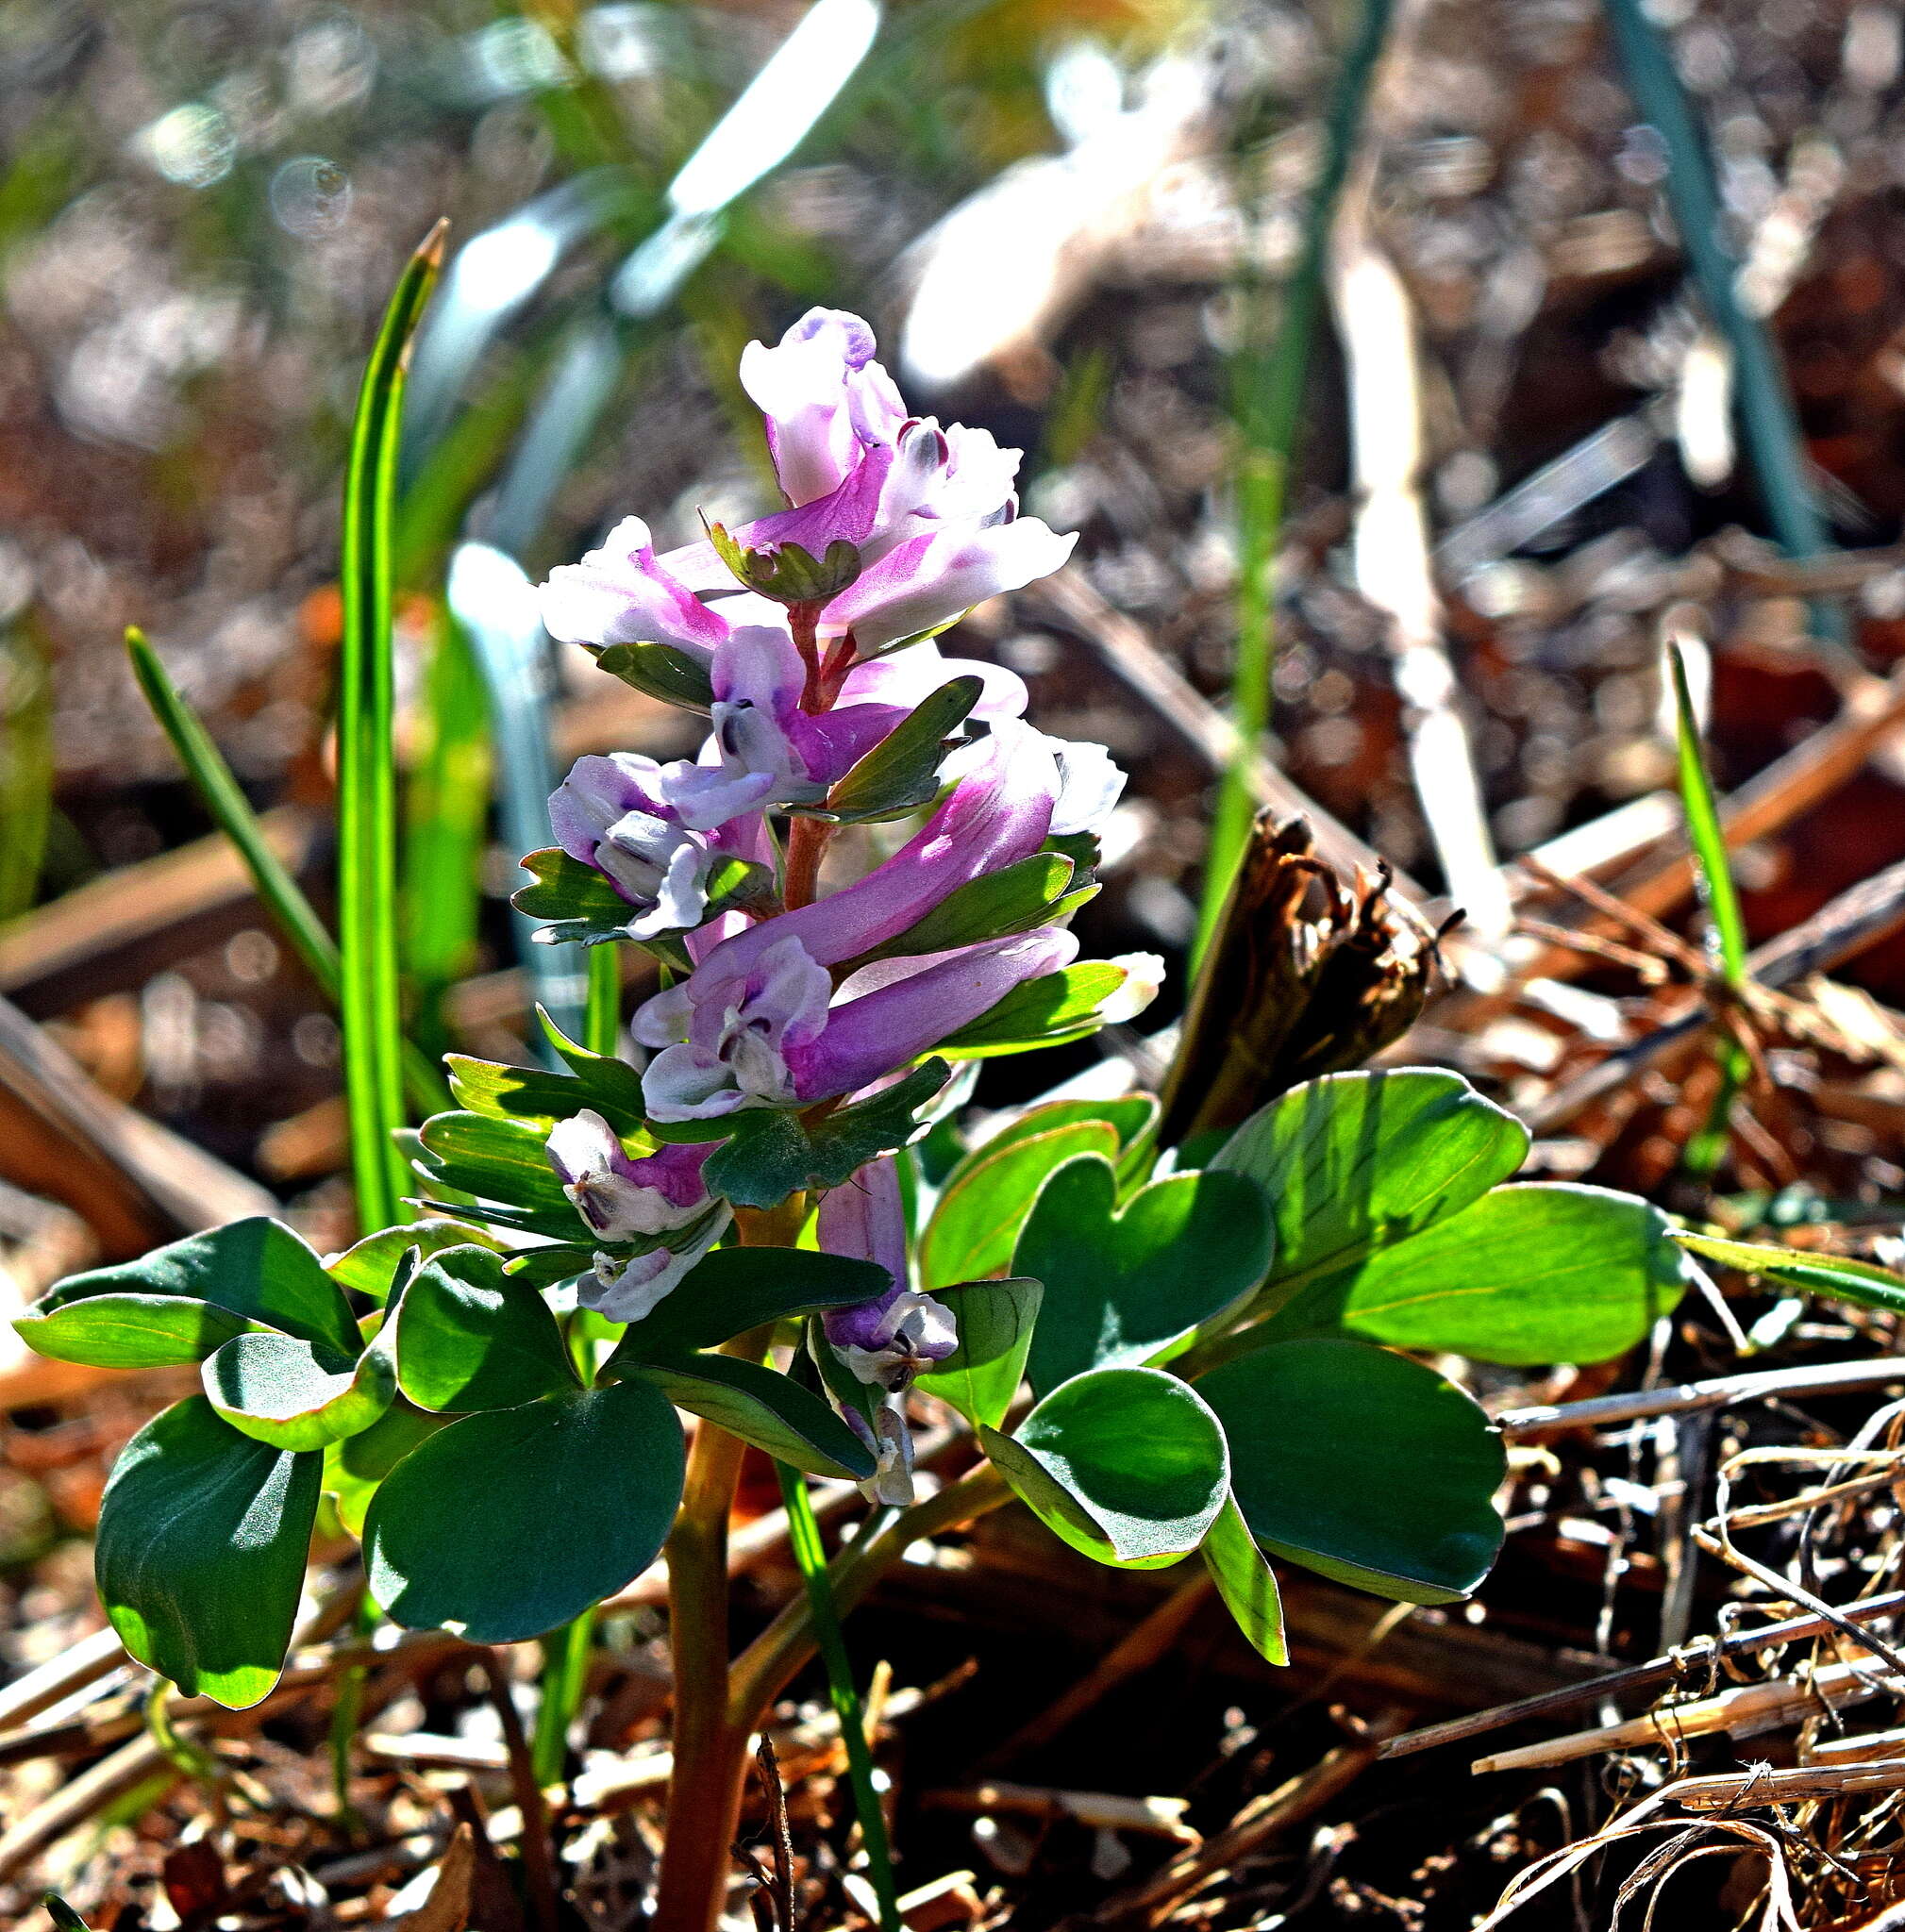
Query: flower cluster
[{"x": 812, "y": 629}]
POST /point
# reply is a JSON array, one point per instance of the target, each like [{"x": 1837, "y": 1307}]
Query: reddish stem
[
  {"x": 803, "y": 620},
  {"x": 806, "y": 846}
]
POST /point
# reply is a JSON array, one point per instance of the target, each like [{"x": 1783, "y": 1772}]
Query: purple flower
[
  {"x": 621, "y": 594},
  {"x": 825, "y": 399},
  {"x": 621, "y": 1197},
  {"x": 932, "y": 579},
  {"x": 625, "y": 1291},
  {"x": 761, "y": 1030},
  {"x": 755, "y": 1024},
  {"x": 904, "y": 678},
  {"x": 726, "y": 1035},
  {"x": 659, "y": 1202},
  {"x": 888, "y": 1340},
  {"x": 1090, "y": 785},
  {"x": 616, "y": 813},
  {"x": 930, "y": 512},
  {"x": 999, "y": 812},
  {"x": 765, "y": 749}
]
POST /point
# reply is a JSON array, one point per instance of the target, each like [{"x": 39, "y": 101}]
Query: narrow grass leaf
[{"x": 367, "y": 779}]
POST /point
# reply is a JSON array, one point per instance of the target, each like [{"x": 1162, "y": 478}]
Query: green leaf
[
  {"x": 64, "y": 1918},
  {"x": 577, "y": 905},
  {"x": 470, "y": 1336},
  {"x": 1123, "y": 1286},
  {"x": 1033, "y": 891},
  {"x": 986, "y": 1202},
  {"x": 371, "y": 1266},
  {"x": 609, "y": 1083},
  {"x": 131, "y": 1331},
  {"x": 773, "y": 1153},
  {"x": 996, "y": 1324},
  {"x": 901, "y": 772},
  {"x": 1534, "y": 1272},
  {"x": 734, "y": 1290},
  {"x": 1363, "y": 1465},
  {"x": 203, "y": 1534},
  {"x": 1246, "y": 1583},
  {"x": 1045, "y": 1011},
  {"x": 1129, "y": 1118},
  {"x": 660, "y": 671},
  {"x": 1354, "y": 1162},
  {"x": 765, "y": 1407},
  {"x": 355, "y": 1466},
  {"x": 1128, "y": 1465},
  {"x": 1835, "y": 1276},
  {"x": 504, "y": 1161},
  {"x": 509, "y": 1522},
  {"x": 574, "y": 901},
  {"x": 545, "y": 1267},
  {"x": 284, "y": 1392},
  {"x": 532, "y": 1096},
  {"x": 256, "y": 1268}
]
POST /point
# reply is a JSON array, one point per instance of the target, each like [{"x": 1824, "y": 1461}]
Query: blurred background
[
  {"x": 1072, "y": 221},
  {"x": 1535, "y": 430}
]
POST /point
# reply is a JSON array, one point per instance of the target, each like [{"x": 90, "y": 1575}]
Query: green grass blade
[
  {"x": 280, "y": 894},
  {"x": 27, "y": 766},
  {"x": 231, "y": 811},
  {"x": 1706, "y": 1148},
  {"x": 1768, "y": 420},
  {"x": 565, "y": 1677},
  {"x": 803, "y": 1533},
  {"x": 367, "y": 776},
  {"x": 1268, "y": 406},
  {"x": 447, "y": 811},
  {"x": 1703, "y": 830},
  {"x": 602, "y": 1017}
]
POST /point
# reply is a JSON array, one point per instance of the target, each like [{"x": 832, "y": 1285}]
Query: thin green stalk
[
  {"x": 367, "y": 776},
  {"x": 27, "y": 766},
  {"x": 1268, "y": 406},
  {"x": 602, "y": 1015},
  {"x": 278, "y": 893},
  {"x": 803, "y": 1534},
  {"x": 447, "y": 811},
  {"x": 565, "y": 1677},
  {"x": 1768, "y": 420},
  {"x": 347, "y": 1711},
  {"x": 1714, "y": 873}
]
